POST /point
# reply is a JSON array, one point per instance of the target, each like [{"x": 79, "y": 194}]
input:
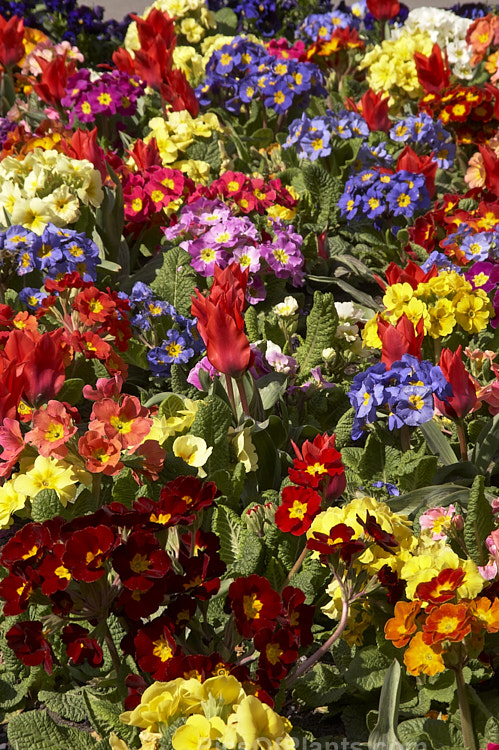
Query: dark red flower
[
  {"x": 296, "y": 615},
  {"x": 338, "y": 542},
  {"x": 135, "y": 685},
  {"x": 464, "y": 399},
  {"x": 28, "y": 545},
  {"x": 55, "y": 575},
  {"x": 372, "y": 528},
  {"x": 17, "y": 588},
  {"x": 254, "y": 603},
  {"x": 86, "y": 552},
  {"x": 299, "y": 507},
  {"x": 278, "y": 651},
  {"x": 28, "y": 642},
  {"x": 400, "y": 339},
  {"x": 140, "y": 559},
  {"x": 155, "y": 646},
  {"x": 383, "y": 10},
  {"x": 80, "y": 647},
  {"x": 221, "y": 322},
  {"x": 143, "y": 600}
]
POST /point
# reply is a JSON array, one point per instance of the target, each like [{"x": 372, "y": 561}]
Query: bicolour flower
[
  {"x": 448, "y": 622},
  {"x": 52, "y": 428},
  {"x": 278, "y": 651},
  {"x": 442, "y": 588},
  {"x": 254, "y": 603},
  {"x": 337, "y": 542},
  {"x": 140, "y": 559},
  {"x": 438, "y": 521},
  {"x": 400, "y": 628},
  {"x": 154, "y": 647}
]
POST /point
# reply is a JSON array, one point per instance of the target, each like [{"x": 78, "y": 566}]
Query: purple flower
[{"x": 203, "y": 365}]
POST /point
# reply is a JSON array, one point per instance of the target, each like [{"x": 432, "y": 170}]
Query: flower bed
[{"x": 249, "y": 398}]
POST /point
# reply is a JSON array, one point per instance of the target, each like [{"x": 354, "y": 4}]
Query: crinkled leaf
[
  {"x": 45, "y": 505},
  {"x": 211, "y": 423},
  {"x": 479, "y": 523},
  {"x": 176, "y": 280},
  {"x": 321, "y": 327}
]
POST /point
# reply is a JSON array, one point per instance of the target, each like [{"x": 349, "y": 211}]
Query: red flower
[
  {"x": 52, "y": 83},
  {"x": 296, "y": 615},
  {"x": 277, "y": 651},
  {"x": 28, "y": 545},
  {"x": 16, "y": 589},
  {"x": 143, "y": 600},
  {"x": 29, "y": 644},
  {"x": 79, "y": 647},
  {"x": 140, "y": 559},
  {"x": 464, "y": 399},
  {"x": 400, "y": 339},
  {"x": 87, "y": 551},
  {"x": 374, "y": 109},
  {"x": 383, "y": 10},
  {"x": 338, "y": 541},
  {"x": 44, "y": 370},
  {"x": 100, "y": 453},
  {"x": 254, "y": 603},
  {"x": 372, "y": 528},
  {"x": 413, "y": 274},
  {"x": 221, "y": 322},
  {"x": 155, "y": 646},
  {"x": 424, "y": 165},
  {"x": 433, "y": 71},
  {"x": 83, "y": 145},
  {"x": 441, "y": 588},
  {"x": 392, "y": 583},
  {"x": 491, "y": 163},
  {"x": 55, "y": 575},
  {"x": 299, "y": 507},
  {"x": 127, "y": 422},
  {"x": 319, "y": 465},
  {"x": 11, "y": 41}
]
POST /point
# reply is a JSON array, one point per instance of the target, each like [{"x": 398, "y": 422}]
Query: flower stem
[
  {"x": 296, "y": 567},
  {"x": 325, "y": 646},
  {"x": 464, "y": 710},
  {"x": 242, "y": 396},
  {"x": 405, "y": 438},
  {"x": 230, "y": 393},
  {"x": 461, "y": 433},
  {"x": 112, "y": 649}
]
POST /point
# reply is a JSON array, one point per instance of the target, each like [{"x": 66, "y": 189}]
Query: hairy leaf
[
  {"x": 321, "y": 327},
  {"x": 176, "y": 279},
  {"x": 479, "y": 523}
]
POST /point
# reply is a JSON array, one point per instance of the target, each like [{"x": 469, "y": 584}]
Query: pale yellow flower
[
  {"x": 191, "y": 449},
  {"x": 10, "y": 501},
  {"x": 48, "y": 474}
]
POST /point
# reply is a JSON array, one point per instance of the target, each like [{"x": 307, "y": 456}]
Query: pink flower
[
  {"x": 12, "y": 442},
  {"x": 127, "y": 422},
  {"x": 104, "y": 388},
  {"x": 437, "y": 520},
  {"x": 52, "y": 428}
]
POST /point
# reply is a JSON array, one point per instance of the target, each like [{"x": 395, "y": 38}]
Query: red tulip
[
  {"x": 374, "y": 109},
  {"x": 424, "y": 165},
  {"x": 400, "y": 339},
  {"x": 383, "y": 10},
  {"x": 221, "y": 323},
  {"x": 52, "y": 83},
  {"x": 491, "y": 163},
  {"x": 412, "y": 274},
  {"x": 433, "y": 71},
  {"x": 464, "y": 399},
  {"x": 11, "y": 41}
]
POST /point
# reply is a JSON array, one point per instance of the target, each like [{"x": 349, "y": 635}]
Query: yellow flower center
[{"x": 252, "y": 606}]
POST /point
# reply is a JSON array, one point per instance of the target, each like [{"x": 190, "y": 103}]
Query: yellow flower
[
  {"x": 472, "y": 310},
  {"x": 198, "y": 732},
  {"x": 420, "y": 658},
  {"x": 442, "y": 318},
  {"x": 193, "y": 450},
  {"x": 370, "y": 337},
  {"x": 191, "y": 30},
  {"x": 396, "y": 298},
  {"x": 10, "y": 501},
  {"x": 255, "y": 725},
  {"x": 34, "y": 214},
  {"x": 197, "y": 170},
  {"x": 48, "y": 474},
  {"x": 245, "y": 450}
]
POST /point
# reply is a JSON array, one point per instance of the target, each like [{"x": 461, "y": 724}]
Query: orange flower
[
  {"x": 422, "y": 658},
  {"x": 400, "y": 628},
  {"x": 449, "y": 622},
  {"x": 441, "y": 588},
  {"x": 485, "y": 614}
]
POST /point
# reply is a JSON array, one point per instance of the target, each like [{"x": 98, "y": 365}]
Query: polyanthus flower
[
  {"x": 191, "y": 449},
  {"x": 438, "y": 521},
  {"x": 48, "y": 474},
  {"x": 423, "y": 658},
  {"x": 319, "y": 465},
  {"x": 52, "y": 428},
  {"x": 254, "y": 603},
  {"x": 299, "y": 507},
  {"x": 448, "y": 622},
  {"x": 127, "y": 421},
  {"x": 401, "y": 627}
]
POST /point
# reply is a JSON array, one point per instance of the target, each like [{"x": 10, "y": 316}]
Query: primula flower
[
  {"x": 155, "y": 646},
  {"x": 339, "y": 540},
  {"x": 373, "y": 530},
  {"x": 442, "y": 588},
  {"x": 10, "y": 502},
  {"x": 48, "y": 474},
  {"x": 254, "y": 603},
  {"x": 52, "y": 428},
  {"x": 127, "y": 421},
  {"x": 485, "y": 613},
  {"x": 401, "y": 627},
  {"x": 28, "y": 642},
  {"x": 139, "y": 559},
  {"x": 80, "y": 647},
  {"x": 100, "y": 453},
  {"x": 438, "y": 521},
  {"x": 423, "y": 658},
  {"x": 87, "y": 552},
  {"x": 191, "y": 449},
  {"x": 277, "y": 651},
  {"x": 298, "y": 509},
  {"x": 449, "y": 622},
  {"x": 319, "y": 465},
  {"x": 17, "y": 589}
]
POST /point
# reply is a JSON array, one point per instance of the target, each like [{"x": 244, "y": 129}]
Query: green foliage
[
  {"x": 45, "y": 505},
  {"x": 368, "y": 668},
  {"x": 35, "y": 730},
  {"x": 486, "y": 446},
  {"x": 479, "y": 523},
  {"x": 208, "y": 150},
  {"x": 176, "y": 280},
  {"x": 240, "y": 548},
  {"x": 211, "y": 423},
  {"x": 226, "y": 21},
  {"x": 321, "y": 327},
  {"x": 323, "y": 194},
  {"x": 69, "y": 705},
  {"x": 71, "y": 391},
  {"x": 320, "y": 686},
  {"x": 105, "y": 717},
  {"x": 384, "y": 733}
]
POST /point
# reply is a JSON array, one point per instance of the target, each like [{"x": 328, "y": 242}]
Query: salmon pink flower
[
  {"x": 52, "y": 428},
  {"x": 128, "y": 421},
  {"x": 102, "y": 455},
  {"x": 104, "y": 388},
  {"x": 12, "y": 442}
]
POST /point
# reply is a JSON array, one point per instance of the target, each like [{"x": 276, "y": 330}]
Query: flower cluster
[
  {"x": 111, "y": 93},
  {"x": 405, "y": 391},
  {"x": 421, "y": 131}
]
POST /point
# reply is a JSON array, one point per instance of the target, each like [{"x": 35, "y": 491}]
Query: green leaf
[
  {"x": 321, "y": 327},
  {"x": 171, "y": 406},
  {"x": 71, "y": 391},
  {"x": 431, "y": 496},
  {"x": 211, "y": 423},
  {"x": 176, "y": 280},
  {"x": 45, "y": 505},
  {"x": 321, "y": 686},
  {"x": 228, "y": 526},
  {"x": 343, "y": 429},
  {"x": 136, "y": 354},
  {"x": 69, "y": 705},
  {"x": 437, "y": 443},
  {"x": 250, "y": 554},
  {"x": 479, "y": 523},
  {"x": 384, "y": 733},
  {"x": 486, "y": 446},
  {"x": 226, "y": 21},
  {"x": 368, "y": 668},
  {"x": 125, "y": 488},
  {"x": 208, "y": 150},
  {"x": 105, "y": 717},
  {"x": 35, "y": 730}
]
